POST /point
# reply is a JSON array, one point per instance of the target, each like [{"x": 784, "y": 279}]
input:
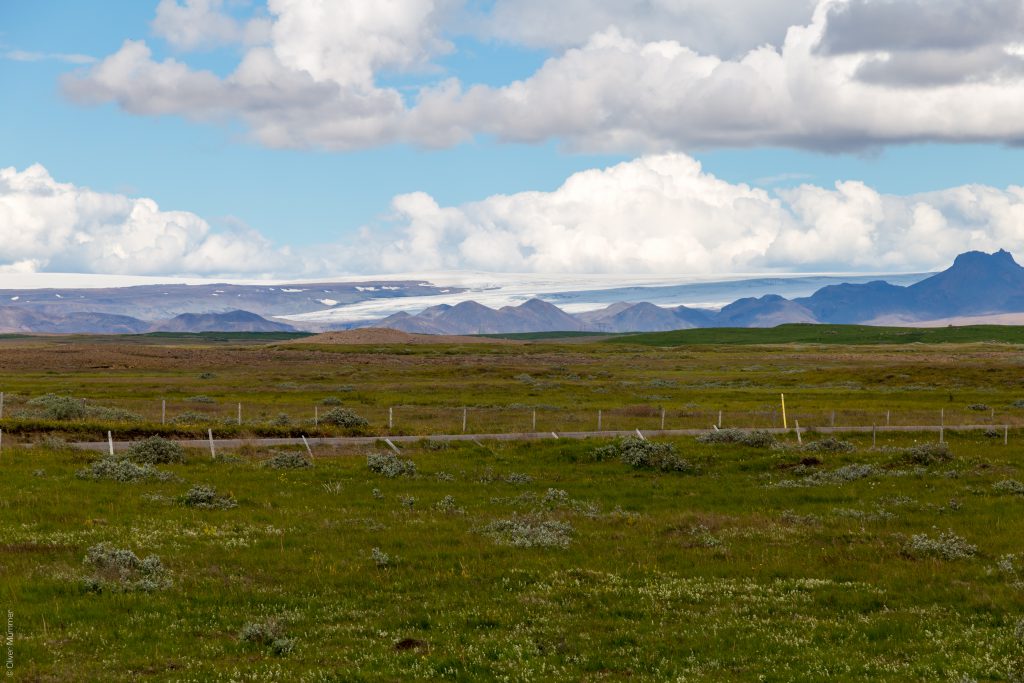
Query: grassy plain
[
  {"x": 756, "y": 564},
  {"x": 502, "y": 384}
]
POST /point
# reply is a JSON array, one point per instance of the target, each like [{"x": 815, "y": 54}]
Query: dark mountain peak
[
  {"x": 232, "y": 321},
  {"x": 537, "y": 305},
  {"x": 470, "y": 305},
  {"x": 1001, "y": 259},
  {"x": 750, "y": 300}
]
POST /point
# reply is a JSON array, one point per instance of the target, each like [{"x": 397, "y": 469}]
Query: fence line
[
  {"x": 424, "y": 419},
  {"x": 509, "y": 436}
]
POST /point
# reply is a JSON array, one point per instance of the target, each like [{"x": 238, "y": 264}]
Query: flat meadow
[{"x": 729, "y": 556}]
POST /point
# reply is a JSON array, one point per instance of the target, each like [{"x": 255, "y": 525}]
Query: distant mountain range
[
  {"x": 13, "y": 320},
  {"x": 976, "y": 285}
]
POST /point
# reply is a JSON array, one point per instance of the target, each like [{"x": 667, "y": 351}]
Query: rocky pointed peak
[{"x": 1001, "y": 260}]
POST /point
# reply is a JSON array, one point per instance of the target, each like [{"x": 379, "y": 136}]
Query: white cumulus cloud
[
  {"x": 664, "y": 214},
  {"x": 60, "y": 227},
  {"x": 709, "y": 26},
  {"x": 658, "y": 214},
  {"x": 640, "y": 84},
  {"x": 197, "y": 24}
]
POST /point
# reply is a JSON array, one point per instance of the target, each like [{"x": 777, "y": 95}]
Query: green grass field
[
  {"x": 518, "y": 561},
  {"x": 723, "y": 573}
]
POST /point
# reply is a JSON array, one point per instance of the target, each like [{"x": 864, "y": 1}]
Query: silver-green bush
[
  {"x": 119, "y": 469},
  {"x": 343, "y": 417},
  {"x": 119, "y": 570},
  {"x": 390, "y": 465},
  {"x": 288, "y": 460},
  {"x": 207, "y": 498},
  {"x": 156, "y": 451}
]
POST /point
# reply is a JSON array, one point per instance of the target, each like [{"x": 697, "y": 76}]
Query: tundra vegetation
[{"x": 695, "y": 559}]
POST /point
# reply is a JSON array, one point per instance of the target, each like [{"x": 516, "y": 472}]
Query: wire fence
[{"x": 420, "y": 419}]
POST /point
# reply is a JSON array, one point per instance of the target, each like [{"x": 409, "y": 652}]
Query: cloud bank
[
  {"x": 59, "y": 227},
  {"x": 658, "y": 214},
  {"x": 633, "y": 76}
]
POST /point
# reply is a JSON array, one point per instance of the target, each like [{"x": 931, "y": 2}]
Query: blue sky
[{"x": 320, "y": 191}]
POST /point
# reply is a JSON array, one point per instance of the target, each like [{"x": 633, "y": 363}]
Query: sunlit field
[{"x": 730, "y": 556}]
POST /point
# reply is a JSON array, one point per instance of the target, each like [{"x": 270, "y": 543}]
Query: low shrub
[
  {"x": 979, "y": 407},
  {"x": 842, "y": 475},
  {"x": 380, "y": 558},
  {"x": 756, "y": 438},
  {"x": 1009, "y": 486},
  {"x": 268, "y": 634},
  {"x": 190, "y": 417},
  {"x": 281, "y": 420},
  {"x": 447, "y": 505},
  {"x": 343, "y": 417},
  {"x": 390, "y": 465},
  {"x": 64, "y": 408},
  {"x": 54, "y": 407},
  {"x": 156, "y": 451},
  {"x": 644, "y": 455},
  {"x": 828, "y": 445},
  {"x": 207, "y": 498},
  {"x": 288, "y": 460},
  {"x": 118, "y": 570},
  {"x": 331, "y": 401},
  {"x": 529, "y": 531},
  {"x": 199, "y": 399},
  {"x": 947, "y": 546},
  {"x": 119, "y": 469},
  {"x": 518, "y": 478},
  {"x": 927, "y": 453}
]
